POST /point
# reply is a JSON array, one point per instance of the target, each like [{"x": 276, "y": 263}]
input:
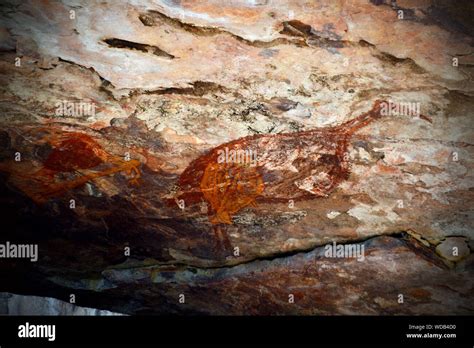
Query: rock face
[
  {"x": 453, "y": 249},
  {"x": 11, "y": 304},
  {"x": 167, "y": 151}
]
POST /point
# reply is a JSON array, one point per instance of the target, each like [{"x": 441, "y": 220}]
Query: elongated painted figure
[{"x": 300, "y": 165}]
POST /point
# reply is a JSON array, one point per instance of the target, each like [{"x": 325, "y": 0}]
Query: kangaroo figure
[{"x": 290, "y": 166}]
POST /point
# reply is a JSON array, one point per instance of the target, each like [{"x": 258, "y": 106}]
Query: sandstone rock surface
[{"x": 164, "y": 83}]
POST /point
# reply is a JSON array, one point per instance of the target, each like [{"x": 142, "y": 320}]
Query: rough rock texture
[
  {"x": 453, "y": 249},
  {"x": 174, "y": 82},
  {"x": 12, "y": 304}
]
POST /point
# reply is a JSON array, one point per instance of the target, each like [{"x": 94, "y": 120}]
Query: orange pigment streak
[{"x": 229, "y": 187}]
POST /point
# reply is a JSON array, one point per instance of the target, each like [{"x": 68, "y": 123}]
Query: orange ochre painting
[
  {"x": 291, "y": 166},
  {"x": 75, "y": 155}
]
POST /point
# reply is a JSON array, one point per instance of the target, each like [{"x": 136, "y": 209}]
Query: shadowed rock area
[{"x": 202, "y": 157}]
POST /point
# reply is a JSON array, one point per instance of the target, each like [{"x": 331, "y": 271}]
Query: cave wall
[{"x": 119, "y": 110}]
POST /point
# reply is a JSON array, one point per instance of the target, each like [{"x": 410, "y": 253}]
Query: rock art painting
[
  {"x": 238, "y": 157},
  {"x": 70, "y": 159},
  {"x": 291, "y": 166}
]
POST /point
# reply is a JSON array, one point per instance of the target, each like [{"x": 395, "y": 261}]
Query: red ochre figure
[
  {"x": 73, "y": 153},
  {"x": 290, "y": 166},
  {"x": 229, "y": 188}
]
